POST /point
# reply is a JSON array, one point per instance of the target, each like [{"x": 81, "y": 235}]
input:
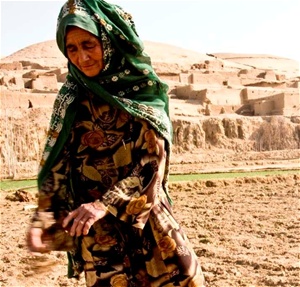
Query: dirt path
[{"x": 245, "y": 232}]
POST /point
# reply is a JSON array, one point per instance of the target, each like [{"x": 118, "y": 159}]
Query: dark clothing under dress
[{"x": 119, "y": 160}]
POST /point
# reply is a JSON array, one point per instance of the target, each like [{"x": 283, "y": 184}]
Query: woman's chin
[{"x": 91, "y": 72}]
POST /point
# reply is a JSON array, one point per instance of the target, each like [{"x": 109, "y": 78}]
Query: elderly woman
[{"x": 104, "y": 170}]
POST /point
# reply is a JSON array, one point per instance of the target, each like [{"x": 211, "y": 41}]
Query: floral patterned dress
[{"x": 119, "y": 160}]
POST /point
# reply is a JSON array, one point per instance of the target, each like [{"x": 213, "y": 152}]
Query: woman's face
[{"x": 84, "y": 50}]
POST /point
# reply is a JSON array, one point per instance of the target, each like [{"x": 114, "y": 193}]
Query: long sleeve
[
  {"x": 54, "y": 198},
  {"x": 132, "y": 198}
]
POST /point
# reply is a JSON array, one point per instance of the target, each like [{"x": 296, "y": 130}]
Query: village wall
[
  {"x": 254, "y": 93},
  {"x": 286, "y": 103},
  {"x": 14, "y": 66},
  {"x": 45, "y": 82}
]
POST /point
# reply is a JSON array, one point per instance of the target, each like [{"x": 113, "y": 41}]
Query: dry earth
[{"x": 245, "y": 232}]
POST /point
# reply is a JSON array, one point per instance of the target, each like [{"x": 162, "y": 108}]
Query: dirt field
[{"x": 245, "y": 232}]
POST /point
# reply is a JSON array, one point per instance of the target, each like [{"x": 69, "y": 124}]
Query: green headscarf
[{"x": 127, "y": 81}]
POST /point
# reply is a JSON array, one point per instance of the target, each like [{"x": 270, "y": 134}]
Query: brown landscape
[{"x": 230, "y": 113}]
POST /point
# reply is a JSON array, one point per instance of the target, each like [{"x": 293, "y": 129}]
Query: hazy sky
[{"x": 207, "y": 26}]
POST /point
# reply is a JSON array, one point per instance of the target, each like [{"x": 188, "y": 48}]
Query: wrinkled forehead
[{"x": 76, "y": 33}]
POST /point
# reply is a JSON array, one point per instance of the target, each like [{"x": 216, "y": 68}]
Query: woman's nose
[{"x": 83, "y": 55}]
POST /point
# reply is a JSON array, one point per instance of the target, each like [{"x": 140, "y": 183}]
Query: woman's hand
[
  {"x": 84, "y": 217},
  {"x": 35, "y": 242}
]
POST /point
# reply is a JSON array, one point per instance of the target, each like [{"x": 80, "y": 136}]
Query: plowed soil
[{"x": 245, "y": 232}]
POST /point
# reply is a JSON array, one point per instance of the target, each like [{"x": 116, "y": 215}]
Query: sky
[{"x": 206, "y": 26}]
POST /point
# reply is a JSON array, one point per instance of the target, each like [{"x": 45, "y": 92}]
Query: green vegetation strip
[
  {"x": 224, "y": 175},
  {"x": 18, "y": 184},
  {"x": 32, "y": 183}
]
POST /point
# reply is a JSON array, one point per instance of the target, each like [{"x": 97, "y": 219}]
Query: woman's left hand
[{"x": 83, "y": 218}]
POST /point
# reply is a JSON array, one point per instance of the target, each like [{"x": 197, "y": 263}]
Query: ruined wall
[
  {"x": 264, "y": 107},
  {"x": 224, "y": 96},
  {"x": 14, "y": 66},
  {"x": 237, "y": 133},
  {"x": 22, "y": 136},
  {"x": 209, "y": 79},
  {"x": 284, "y": 103},
  {"x": 217, "y": 96},
  {"x": 45, "y": 82},
  {"x": 185, "y": 78},
  {"x": 254, "y": 93}
]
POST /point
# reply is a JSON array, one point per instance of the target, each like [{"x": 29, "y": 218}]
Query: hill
[{"x": 47, "y": 54}]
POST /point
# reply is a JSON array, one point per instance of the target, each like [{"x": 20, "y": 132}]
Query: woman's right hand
[{"x": 35, "y": 241}]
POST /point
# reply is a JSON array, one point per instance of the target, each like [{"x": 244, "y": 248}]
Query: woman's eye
[
  {"x": 89, "y": 46},
  {"x": 71, "y": 49}
]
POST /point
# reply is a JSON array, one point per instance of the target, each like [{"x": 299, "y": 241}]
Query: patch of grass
[
  {"x": 31, "y": 184},
  {"x": 218, "y": 175},
  {"x": 8, "y": 185}
]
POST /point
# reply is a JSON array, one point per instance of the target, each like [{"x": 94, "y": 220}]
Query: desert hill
[
  {"x": 229, "y": 111},
  {"x": 47, "y": 54}
]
